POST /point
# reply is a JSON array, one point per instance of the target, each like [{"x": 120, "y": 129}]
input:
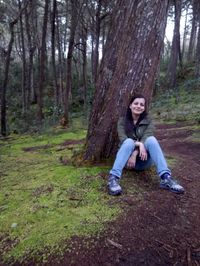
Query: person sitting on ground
[{"x": 139, "y": 149}]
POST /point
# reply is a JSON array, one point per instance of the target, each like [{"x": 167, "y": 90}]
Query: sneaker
[
  {"x": 113, "y": 185},
  {"x": 167, "y": 182}
]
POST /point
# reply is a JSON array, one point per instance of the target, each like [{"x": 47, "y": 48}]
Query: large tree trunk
[
  {"x": 129, "y": 64},
  {"x": 175, "y": 51}
]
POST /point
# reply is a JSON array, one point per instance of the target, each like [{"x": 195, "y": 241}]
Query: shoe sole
[
  {"x": 172, "y": 190},
  {"x": 117, "y": 193}
]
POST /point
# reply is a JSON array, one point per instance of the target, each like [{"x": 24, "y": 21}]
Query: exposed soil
[{"x": 161, "y": 229}]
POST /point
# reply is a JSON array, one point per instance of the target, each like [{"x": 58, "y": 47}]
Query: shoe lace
[{"x": 113, "y": 182}]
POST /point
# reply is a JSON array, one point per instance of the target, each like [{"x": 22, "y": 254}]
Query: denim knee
[
  {"x": 129, "y": 142},
  {"x": 151, "y": 141}
]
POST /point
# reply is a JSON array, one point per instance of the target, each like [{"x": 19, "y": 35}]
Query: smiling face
[{"x": 137, "y": 107}]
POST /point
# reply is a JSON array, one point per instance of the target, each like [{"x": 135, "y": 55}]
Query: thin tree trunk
[
  {"x": 23, "y": 62},
  {"x": 60, "y": 63},
  {"x": 197, "y": 61},
  {"x": 56, "y": 89},
  {"x": 42, "y": 63},
  {"x": 96, "y": 40},
  {"x": 193, "y": 33},
  {"x": 31, "y": 95},
  {"x": 175, "y": 50},
  {"x": 129, "y": 65},
  {"x": 74, "y": 20},
  {"x": 84, "y": 67},
  {"x": 6, "y": 72},
  {"x": 5, "y": 82},
  {"x": 185, "y": 33}
]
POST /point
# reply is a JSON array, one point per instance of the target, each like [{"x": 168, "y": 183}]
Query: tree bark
[{"x": 129, "y": 65}]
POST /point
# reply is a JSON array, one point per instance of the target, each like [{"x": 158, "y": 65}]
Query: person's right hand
[{"x": 142, "y": 152}]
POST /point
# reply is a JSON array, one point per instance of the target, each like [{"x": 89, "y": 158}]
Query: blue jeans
[{"x": 155, "y": 157}]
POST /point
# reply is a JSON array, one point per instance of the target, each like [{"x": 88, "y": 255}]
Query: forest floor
[{"x": 162, "y": 228}]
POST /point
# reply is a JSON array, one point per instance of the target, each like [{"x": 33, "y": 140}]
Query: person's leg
[
  {"x": 122, "y": 157},
  {"x": 156, "y": 154},
  {"x": 152, "y": 146}
]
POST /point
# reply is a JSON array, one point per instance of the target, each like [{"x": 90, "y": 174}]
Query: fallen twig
[{"x": 117, "y": 245}]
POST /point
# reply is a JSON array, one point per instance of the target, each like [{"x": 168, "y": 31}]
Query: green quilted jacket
[{"x": 142, "y": 131}]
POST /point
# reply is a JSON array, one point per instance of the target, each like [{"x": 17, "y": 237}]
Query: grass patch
[
  {"x": 44, "y": 203},
  {"x": 182, "y": 104}
]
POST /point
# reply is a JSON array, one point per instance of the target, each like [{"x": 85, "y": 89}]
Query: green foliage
[
  {"x": 44, "y": 200},
  {"x": 180, "y": 104}
]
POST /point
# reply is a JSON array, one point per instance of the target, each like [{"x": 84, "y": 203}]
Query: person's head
[{"x": 137, "y": 106}]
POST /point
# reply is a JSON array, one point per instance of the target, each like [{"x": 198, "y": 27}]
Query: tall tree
[
  {"x": 197, "y": 61},
  {"x": 6, "y": 70},
  {"x": 31, "y": 42},
  {"x": 175, "y": 50},
  {"x": 53, "y": 29},
  {"x": 74, "y": 21},
  {"x": 193, "y": 33},
  {"x": 23, "y": 60},
  {"x": 129, "y": 64},
  {"x": 96, "y": 39},
  {"x": 42, "y": 62},
  {"x": 185, "y": 32}
]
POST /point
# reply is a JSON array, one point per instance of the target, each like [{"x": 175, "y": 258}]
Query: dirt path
[{"x": 161, "y": 229}]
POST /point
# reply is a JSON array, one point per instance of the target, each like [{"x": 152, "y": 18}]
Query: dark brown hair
[{"x": 129, "y": 125}]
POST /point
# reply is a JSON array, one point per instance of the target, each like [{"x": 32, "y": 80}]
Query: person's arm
[
  {"x": 142, "y": 150},
  {"x": 149, "y": 131},
  {"x": 121, "y": 129},
  {"x": 132, "y": 160}
]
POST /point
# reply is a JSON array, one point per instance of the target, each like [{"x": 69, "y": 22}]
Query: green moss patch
[{"x": 43, "y": 203}]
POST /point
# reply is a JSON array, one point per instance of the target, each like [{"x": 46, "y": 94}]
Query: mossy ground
[{"x": 44, "y": 202}]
